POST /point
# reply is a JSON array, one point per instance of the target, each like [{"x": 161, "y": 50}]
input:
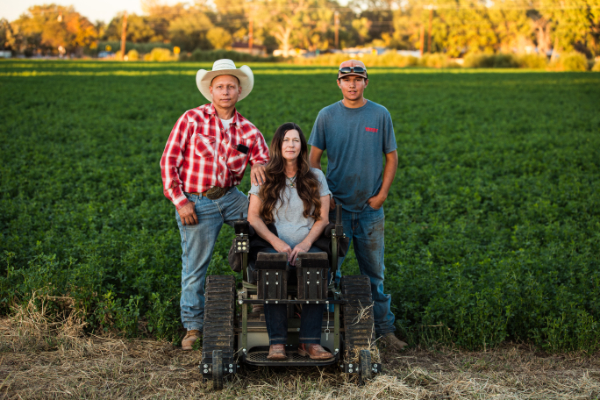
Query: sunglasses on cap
[{"x": 355, "y": 70}]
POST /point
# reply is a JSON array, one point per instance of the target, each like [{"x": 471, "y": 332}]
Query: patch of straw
[
  {"x": 44, "y": 322},
  {"x": 363, "y": 313}
]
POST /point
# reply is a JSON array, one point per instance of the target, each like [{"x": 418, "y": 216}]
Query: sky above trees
[{"x": 103, "y": 10}]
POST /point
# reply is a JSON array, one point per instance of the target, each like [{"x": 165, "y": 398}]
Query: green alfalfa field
[{"x": 492, "y": 226}]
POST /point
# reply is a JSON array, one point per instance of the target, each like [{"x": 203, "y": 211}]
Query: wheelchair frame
[{"x": 233, "y": 336}]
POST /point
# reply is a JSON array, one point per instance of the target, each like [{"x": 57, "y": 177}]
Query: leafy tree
[
  {"x": 189, "y": 31},
  {"x": 232, "y": 15},
  {"x": 575, "y": 23},
  {"x": 219, "y": 38},
  {"x": 48, "y": 27},
  {"x": 407, "y": 24},
  {"x": 6, "y": 34},
  {"x": 279, "y": 17},
  {"x": 314, "y": 30},
  {"x": 379, "y": 14},
  {"x": 302, "y": 23},
  {"x": 362, "y": 26},
  {"x": 138, "y": 29},
  {"x": 159, "y": 16}
]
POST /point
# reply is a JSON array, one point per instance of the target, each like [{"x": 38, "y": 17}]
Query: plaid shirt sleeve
[
  {"x": 171, "y": 161},
  {"x": 260, "y": 151}
]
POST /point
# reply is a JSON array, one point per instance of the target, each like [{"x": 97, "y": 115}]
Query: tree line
[{"x": 455, "y": 27}]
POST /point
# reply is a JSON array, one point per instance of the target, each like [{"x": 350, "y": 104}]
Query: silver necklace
[{"x": 291, "y": 182}]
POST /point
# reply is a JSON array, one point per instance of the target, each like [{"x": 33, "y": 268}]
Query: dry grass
[{"x": 48, "y": 358}]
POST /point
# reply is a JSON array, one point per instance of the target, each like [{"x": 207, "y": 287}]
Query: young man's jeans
[
  {"x": 310, "y": 321},
  {"x": 198, "y": 243},
  {"x": 365, "y": 229}
]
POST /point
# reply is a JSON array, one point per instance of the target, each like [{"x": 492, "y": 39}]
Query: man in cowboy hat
[
  {"x": 356, "y": 133},
  {"x": 204, "y": 159}
]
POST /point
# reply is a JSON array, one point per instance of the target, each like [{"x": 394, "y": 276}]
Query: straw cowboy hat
[{"x": 225, "y": 67}]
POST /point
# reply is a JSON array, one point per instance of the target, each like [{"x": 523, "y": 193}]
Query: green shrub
[
  {"x": 117, "y": 315},
  {"x": 133, "y": 55},
  {"x": 213, "y": 55},
  {"x": 475, "y": 60},
  {"x": 163, "y": 318},
  {"x": 532, "y": 61},
  {"x": 570, "y": 62},
  {"x": 142, "y": 48},
  {"x": 437, "y": 60},
  {"x": 159, "y": 54},
  {"x": 388, "y": 59}
]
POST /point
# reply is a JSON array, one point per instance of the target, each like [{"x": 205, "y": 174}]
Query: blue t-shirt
[{"x": 356, "y": 140}]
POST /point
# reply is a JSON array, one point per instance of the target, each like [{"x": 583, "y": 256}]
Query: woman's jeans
[{"x": 311, "y": 319}]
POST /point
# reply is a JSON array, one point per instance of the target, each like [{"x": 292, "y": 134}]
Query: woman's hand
[
  {"x": 282, "y": 247},
  {"x": 302, "y": 247}
]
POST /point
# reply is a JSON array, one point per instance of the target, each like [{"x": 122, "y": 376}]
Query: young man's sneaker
[
  {"x": 189, "y": 339},
  {"x": 391, "y": 342}
]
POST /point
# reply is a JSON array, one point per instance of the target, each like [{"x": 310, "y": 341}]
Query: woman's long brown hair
[{"x": 307, "y": 183}]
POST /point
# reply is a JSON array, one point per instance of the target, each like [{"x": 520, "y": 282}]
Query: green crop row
[{"x": 492, "y": 224}]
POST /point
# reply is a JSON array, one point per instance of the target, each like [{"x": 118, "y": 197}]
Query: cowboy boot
[
  {"x": 277, "y": 352},
  {"x": 314, "y": 351}
]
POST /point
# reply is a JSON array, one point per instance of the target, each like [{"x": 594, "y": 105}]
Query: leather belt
[{"x": 213, "y": 193}]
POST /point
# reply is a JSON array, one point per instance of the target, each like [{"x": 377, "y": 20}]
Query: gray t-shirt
[
  {"x": 355, "y": 140},
  {"x": 292, "y": 226}
]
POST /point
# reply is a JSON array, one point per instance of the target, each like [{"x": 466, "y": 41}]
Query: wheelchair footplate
[{"x": 258, "y": 356}]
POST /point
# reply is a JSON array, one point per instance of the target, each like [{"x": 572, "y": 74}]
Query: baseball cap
[{"x": 352, "y": 67}]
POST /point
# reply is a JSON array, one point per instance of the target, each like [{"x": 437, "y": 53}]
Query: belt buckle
[{"x": 215, "y": 193}]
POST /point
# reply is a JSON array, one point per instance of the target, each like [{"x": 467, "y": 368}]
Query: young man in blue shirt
[{"x": 357, "y": 133}]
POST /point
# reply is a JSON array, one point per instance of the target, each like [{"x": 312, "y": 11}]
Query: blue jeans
[
  {"x": 311, "y": 318},
  {"x": 198, "y": 243},
  {"x": 365, "y": 229}
]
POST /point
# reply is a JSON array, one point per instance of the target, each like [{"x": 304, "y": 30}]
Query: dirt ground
[
  {"x": 45, "y": 355},
  {"x": 46, "y": 367}
]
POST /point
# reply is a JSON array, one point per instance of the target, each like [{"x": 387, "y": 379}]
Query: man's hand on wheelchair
[{"x": 300, "y": 248}]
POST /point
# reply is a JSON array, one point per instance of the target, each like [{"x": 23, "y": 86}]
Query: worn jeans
[
  {"x": 311, "y": 318},
  {"x": 365, "y": 229},
  {"x": 198, "y": 243}
]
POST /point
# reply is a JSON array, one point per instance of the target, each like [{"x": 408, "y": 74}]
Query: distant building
[
  {"x": 5, "y": 54},
  {"x": 256, "y": 50},
  {"x": 411, "y": 53}
]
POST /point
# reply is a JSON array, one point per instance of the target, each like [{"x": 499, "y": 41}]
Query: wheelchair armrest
[{"x": 328, "y": 229}]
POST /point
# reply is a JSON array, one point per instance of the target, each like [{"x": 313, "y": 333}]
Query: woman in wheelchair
[{"x": 295, "y": 198}]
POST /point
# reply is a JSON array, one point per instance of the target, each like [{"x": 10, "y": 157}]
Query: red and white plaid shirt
[{"x": 200, "y": 154}]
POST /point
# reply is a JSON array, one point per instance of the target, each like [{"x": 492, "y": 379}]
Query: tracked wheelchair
[{"x": 233, "y": 335}]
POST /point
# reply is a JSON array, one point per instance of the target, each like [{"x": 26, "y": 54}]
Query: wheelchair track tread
[
  {"x": 219, "y": 314},
  {"x": 357, "y": 314}
]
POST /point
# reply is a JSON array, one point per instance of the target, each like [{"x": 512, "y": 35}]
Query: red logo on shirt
[{"x": 371, "y": 129}]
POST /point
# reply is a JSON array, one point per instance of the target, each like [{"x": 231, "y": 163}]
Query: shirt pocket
[
  {"x": 204, "y": 146},
  {"x": 237, "y": 153}
]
